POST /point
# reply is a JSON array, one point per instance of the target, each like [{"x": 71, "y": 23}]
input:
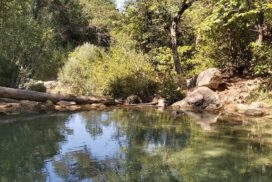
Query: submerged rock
[{"x": 211, "y": 78}]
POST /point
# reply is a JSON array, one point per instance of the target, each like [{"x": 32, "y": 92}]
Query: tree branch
[{"x": 185, "y": 5}]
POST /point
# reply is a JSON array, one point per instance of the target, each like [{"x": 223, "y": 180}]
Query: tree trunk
[
  {"x": 174, "y": 29},
  {"x": 19, "y": 94},
  {"x": 175, "y": 54},
  {"x": 260, "y": 27}
]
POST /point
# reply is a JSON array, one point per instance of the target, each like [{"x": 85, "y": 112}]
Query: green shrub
[
  {"x": 76, "y": 71},
  {"x": 124, "y": 72},
  {"x": 121, "y": 72},
  {"x": 262, "y": 59},
  {"x": 163, "y": 59},
  {"x": 171, "y": 88},
  {"x": 34, "y": 85},
  {"x": 133, "y": 84}
]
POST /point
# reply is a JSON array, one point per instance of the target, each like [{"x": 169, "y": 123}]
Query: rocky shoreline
[
  {"x": 207, "y": 93},
  {"x": 32, "y": 107},
  {"x": 213, "y": 94}
]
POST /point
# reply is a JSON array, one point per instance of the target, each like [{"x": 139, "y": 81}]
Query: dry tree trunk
[{"x": 19, "y": 94}]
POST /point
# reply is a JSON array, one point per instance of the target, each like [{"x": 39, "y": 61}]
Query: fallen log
[{"x": 20, "y": 94}]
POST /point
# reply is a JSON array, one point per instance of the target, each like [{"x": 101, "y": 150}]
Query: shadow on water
[{"x": 133, "y": 145}]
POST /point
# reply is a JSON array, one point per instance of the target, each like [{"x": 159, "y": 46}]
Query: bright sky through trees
[{"x": 120, "y": 3}]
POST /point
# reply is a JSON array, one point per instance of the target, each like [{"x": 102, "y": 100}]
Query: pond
[{"x": 132, "y": 145}]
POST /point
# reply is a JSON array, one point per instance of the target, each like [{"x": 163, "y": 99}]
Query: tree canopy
[{"x": 177, "y": 38}]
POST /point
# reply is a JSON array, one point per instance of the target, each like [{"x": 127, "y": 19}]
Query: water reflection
[{"x": 133, "y": 145}]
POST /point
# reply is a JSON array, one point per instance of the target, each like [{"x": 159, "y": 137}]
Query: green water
[{"x": 132, "y": 145}]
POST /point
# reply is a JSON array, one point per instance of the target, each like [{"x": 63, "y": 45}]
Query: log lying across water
[{"x": 19, "y": 94}]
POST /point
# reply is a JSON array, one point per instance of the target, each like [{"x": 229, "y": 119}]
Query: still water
[{"x": 132, "y": 145}]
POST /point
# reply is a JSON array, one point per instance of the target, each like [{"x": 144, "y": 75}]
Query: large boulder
[
  {"x": 202, "y": 98},
  {"x": 211, "y": 78}
]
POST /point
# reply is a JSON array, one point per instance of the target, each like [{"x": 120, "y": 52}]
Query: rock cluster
[
  {"x": 203, "y": 97},
  {"x": 14, "y": 107},
  {"x": 207, "y": 96}
]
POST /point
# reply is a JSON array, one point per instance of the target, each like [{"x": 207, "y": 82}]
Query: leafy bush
[
  {"x": 162, "y": 58},
  {"x": 171, "y": 89},
  {"x": 34, "y": 85},
  {"x": 262, "y": 59},
  {"x": 133, "y": 84},
  {"x": 76, "y": 71},
  {"x": 119, "y": 73}
]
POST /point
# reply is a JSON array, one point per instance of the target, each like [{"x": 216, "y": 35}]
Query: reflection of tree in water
[
  {"x": 78, "y": 166},
  {"x": 152, "y": 147},
  {"x": 183, "y": 152},
  {"x": 25, "y": 145},
  {"x": 141, "y": 128},
  {"x": 229, "y": 153},
  {"x": 151, "y": 126},
  {"x": 93, "y": 120}
]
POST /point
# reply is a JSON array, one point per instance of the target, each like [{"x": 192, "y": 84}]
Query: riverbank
[
  {"x": 211, "y": 91},
  {"x": 214, "y": 92},
  {"x": 32, "y": 107}
]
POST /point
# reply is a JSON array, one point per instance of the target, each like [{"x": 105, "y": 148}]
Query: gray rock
[
  {"x": 133, "y": 99},
  {"x": 66, "y": 103},
  {"x": 27, "y": 106},
  {"x": 202, "y": 98},
  {"x": 211, "y": 78},
  {"x": 254, "y": 112}
]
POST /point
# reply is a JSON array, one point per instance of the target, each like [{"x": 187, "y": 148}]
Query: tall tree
[
  {"x": 174, "y": 30},
  {"x": 156, "y": 23}
]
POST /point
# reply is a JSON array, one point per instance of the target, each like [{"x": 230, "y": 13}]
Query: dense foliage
[
  {"x": 98, "y": 50},
  {"x": 36, "y": 36},
  {"x": 120, "y": 72}
]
